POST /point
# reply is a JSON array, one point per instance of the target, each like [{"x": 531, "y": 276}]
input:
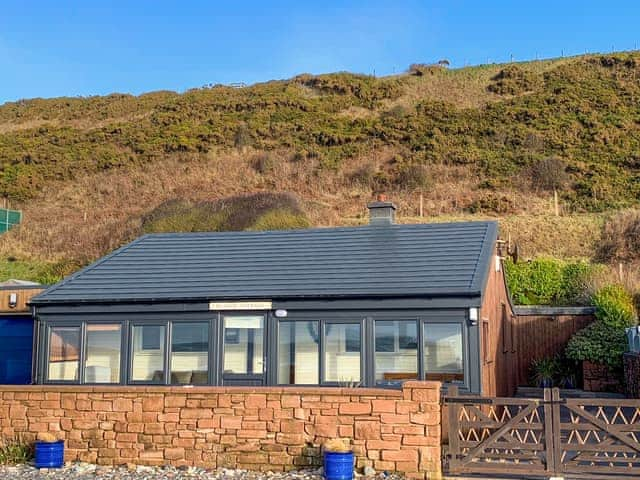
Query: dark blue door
[{"x": 16, "y": 343}]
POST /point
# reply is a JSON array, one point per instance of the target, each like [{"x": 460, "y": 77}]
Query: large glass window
[
  {"x": 396, "y": 350},
  {"x": 190, "y": 353},
  {"x": 342, "y": 352},
  {"x": 64, "y": 353},
  {"x": 443, "y": 352},
  {"x": 243, "y": 344},
  {"x": 147, "y": 362},
  {"x": 102, "y": 353},
  {"x": 298, "y": 352}
]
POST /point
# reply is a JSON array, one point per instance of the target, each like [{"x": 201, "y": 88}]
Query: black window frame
[
  {"x": 363, "y": 348},
  {"x": 253, "y": 379},
  {"x": 169, "y": 353},
  {"x": 123, "y": 353},
  {"x": 50, "y": 327},
  {"x": 82, "y": 324},
  {"x": 166, "y": 359},
  {"x": 419, "y": 359},
  {"x": 465, "y": 354},
  {"x": 318, "y": 341}
]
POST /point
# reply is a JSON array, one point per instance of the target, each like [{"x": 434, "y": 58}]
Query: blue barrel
[
  {"x": 49, "y": 454},
  {"x": 338, "y": 465}
]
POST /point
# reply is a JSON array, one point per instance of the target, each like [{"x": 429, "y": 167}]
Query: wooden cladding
[{"x": 15, "y": 300}]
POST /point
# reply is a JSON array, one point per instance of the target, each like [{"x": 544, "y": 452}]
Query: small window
[
  {"x": 64, "y": 354},
  {"x": 147, "y": 364},
  {"x": 342, "y": 352},
  {"x": 298, "y": 353},
  {"x": 102, "y": 362},
  {"x": 151, "y": 338}
]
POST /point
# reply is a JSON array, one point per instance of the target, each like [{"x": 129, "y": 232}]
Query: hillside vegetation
[{"x": 488, "y": 141}]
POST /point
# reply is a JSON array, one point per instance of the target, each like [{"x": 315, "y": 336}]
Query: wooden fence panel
[
  {"x": 584, "y": 438},
  {"x": 543, "y": 335}
]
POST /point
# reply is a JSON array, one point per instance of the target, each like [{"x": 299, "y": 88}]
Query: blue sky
[{"x": 55, "y": 48}]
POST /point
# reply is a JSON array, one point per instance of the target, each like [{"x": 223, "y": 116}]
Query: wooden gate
[{"x": 579, "y": 438}]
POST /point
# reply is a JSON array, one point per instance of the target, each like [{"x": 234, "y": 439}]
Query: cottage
[{"x": 369, "y": 306}]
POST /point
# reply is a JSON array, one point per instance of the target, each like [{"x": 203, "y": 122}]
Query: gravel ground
[{"x": 82, "y": 471}]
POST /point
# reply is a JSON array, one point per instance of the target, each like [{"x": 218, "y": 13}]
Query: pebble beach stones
[{"x": 86, "y": 471}]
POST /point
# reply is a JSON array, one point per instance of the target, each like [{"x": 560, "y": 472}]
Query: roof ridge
[{"x": 321, "y": 229}]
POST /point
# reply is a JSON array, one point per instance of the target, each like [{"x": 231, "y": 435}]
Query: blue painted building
[{"x": 16, "y": 332}]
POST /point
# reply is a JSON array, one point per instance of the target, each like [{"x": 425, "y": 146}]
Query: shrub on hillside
[
  {"x": 513, "y": 80},
  {"x": 492, "y": 203},
  {"x": 420, "y": 69},
  {"x": 263, "y": 162},
  {"x": 547, "y": 281},
  {"x": 548, "y": 174},
  {"x": 363, "y": 176},
  {"x": 260, "y": 211},
  {"x": 242, "y": 137},
  {"x": 412, "y": 176},
  {"x": 620, "y": 239},
  {"x": 280, "y": 220}
]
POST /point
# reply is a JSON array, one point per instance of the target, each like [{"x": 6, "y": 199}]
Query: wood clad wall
[
  {"x": 24, "y": 295},
  {"x": 498, "y": 357},
  {"x": 510, "y": 342}
]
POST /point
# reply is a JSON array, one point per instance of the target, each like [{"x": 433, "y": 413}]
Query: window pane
[
  {"x": 102, "y": 363},
  {"x": 148, "y": 356},
  {"x": 64, "y": 353},
  {"x": 243, "y": 338},
  {"x": 190, "y": 353},
  {"x": 342, "y": 352},
  {"x": 298, "y": 353},
  {"x": 443, "y": 351},
  {"x": 396, "y": 350}
]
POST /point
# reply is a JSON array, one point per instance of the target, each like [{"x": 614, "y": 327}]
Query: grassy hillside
[{"x": 487, "y": 141}]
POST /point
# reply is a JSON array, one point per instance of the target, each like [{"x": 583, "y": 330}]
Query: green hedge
[
  {"x": 604, "y": 341},
  {"x": 548, "y": 281}
]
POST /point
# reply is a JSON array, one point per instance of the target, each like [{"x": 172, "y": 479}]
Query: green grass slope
[{"x": 91, "y": 172}]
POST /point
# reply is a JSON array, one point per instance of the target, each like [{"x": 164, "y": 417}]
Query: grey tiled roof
[{"x": 368, "y": 261}]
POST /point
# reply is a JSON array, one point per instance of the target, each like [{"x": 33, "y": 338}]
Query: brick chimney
[{"x": 382, "y": 212}]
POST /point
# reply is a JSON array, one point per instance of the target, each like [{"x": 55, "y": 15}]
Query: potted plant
[
  {"x": 566, "y": 371},
  {"x": 49, "y": 451},
  {"x": 337, "y": 460},
  {"x": 543, "y": 371}
]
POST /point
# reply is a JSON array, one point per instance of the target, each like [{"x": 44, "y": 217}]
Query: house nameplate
[{"x": 240, "y": 305}]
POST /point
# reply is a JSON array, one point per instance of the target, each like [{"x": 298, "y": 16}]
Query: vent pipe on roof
[{"x": 382, "y": 212}]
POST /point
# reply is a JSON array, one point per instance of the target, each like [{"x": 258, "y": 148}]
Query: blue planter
[
  {"x": 49, "y": 454},
  {"x": 338, "y": 465},
  {"x": 546, "y": 383}
]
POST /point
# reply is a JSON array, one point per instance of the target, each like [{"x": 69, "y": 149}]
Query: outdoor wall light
[
  {"x": 13, "y": 300},
  {"x": 473, "y": 316},
  {"x": 281, "y": 313}
]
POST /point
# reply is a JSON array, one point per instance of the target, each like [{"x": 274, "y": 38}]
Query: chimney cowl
[{"x": 381, "y": 212}]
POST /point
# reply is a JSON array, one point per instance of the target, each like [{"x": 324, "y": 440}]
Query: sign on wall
[{"x": 240, "y": 305}]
